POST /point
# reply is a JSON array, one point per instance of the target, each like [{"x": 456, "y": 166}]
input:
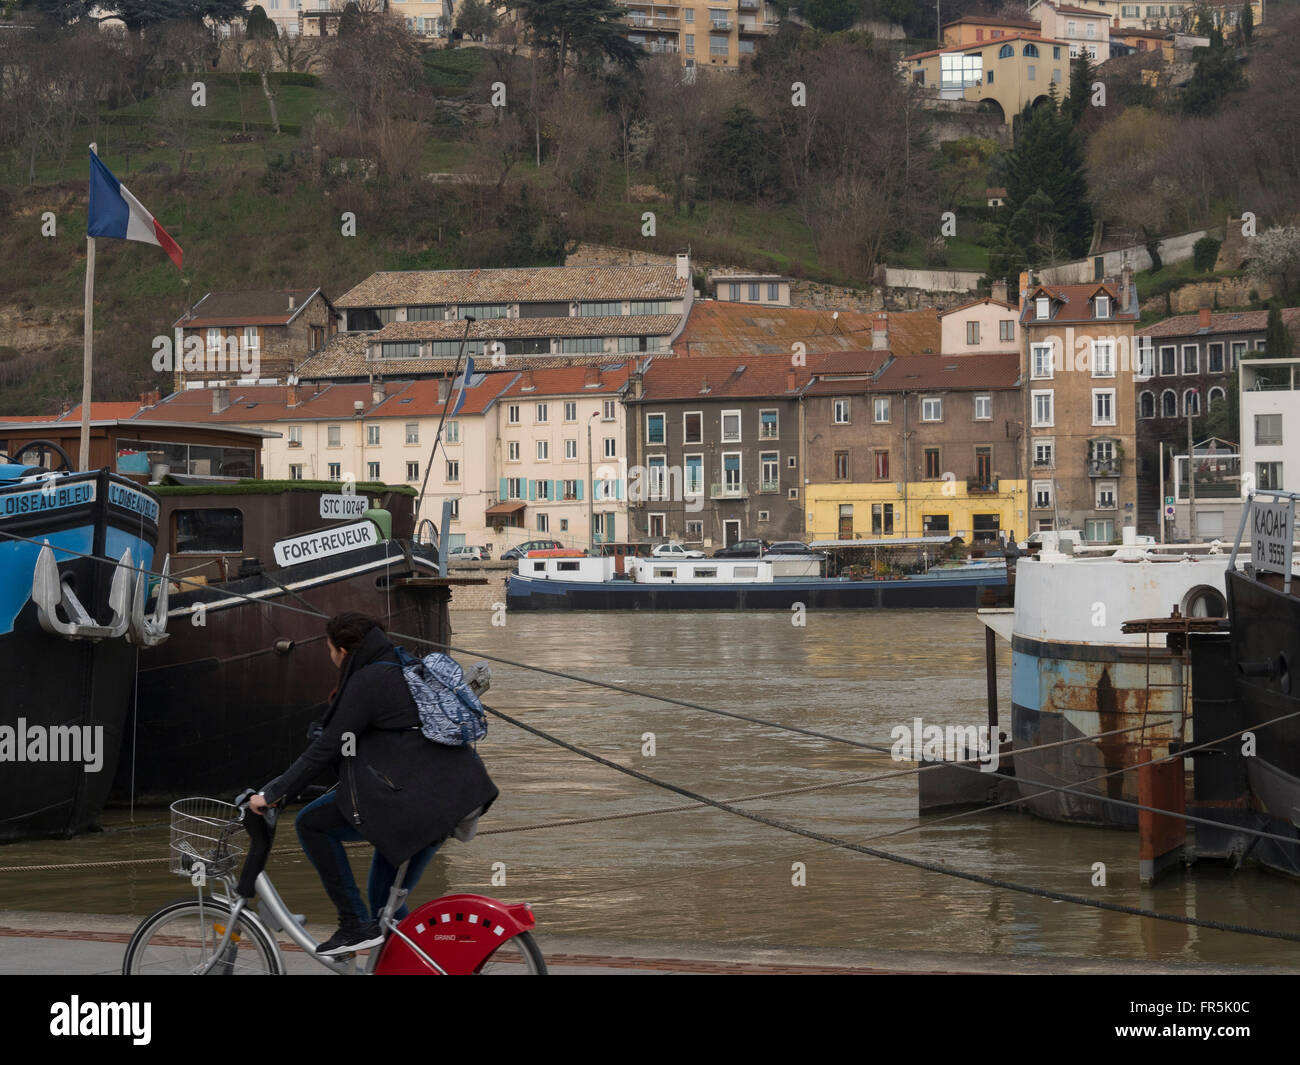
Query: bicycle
[{"x": 220, "y": 934}]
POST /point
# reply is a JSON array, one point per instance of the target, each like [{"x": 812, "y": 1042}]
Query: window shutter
[
  {"x": 504, "y": 489},
  {"x": 557, "y": 488},
  {"x": 618, "y": 489},
  {"x": 579, "y": 484},
  {"x": 532, "y": 490}
]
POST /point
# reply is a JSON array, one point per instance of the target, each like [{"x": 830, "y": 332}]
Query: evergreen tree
[
  {"x": 590, "y": 28},
  {"x": 1216, "y": 74},
  {"x": 1277, "y": 338},
  {"x": 351, "y": 20},
  {"x": 830, "y": 16},
  {"x": 260, "y": 26},
  {"x": 1082, "y": 76},
  {"x": 475, "y": 19},
  {"x": 1247, "y": 27}
]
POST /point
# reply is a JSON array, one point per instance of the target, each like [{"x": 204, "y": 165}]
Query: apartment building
[
  {"x": 767, "y": 290},
  {"x": 411, "y": 324},
  {"x": 981, "y": 326},
  {"x": 920, "y": 445},
  {"x": 319, "y": 18},
  {"x": 720, "y": 34},
  {"x": 1123, "y": 15},
  {"x": 1270, "y": 422},
  {"x": 1078, "y": 405},
  {"x": 1007, "y": 72},
  {"x": 1084, "y": 31},
  {"x": 978, "y": 29}
]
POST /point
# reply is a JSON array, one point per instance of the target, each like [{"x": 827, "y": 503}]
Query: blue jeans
[{"x": 322, "y": 830}]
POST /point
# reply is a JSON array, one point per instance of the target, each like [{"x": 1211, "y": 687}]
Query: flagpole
[{"x": 87, "y": 346}]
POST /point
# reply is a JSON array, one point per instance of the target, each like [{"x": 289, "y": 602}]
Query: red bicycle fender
[{"x": 459, "y": 932}]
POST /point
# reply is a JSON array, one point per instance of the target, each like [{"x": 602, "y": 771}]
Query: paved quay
[{"x": 43, "y": 944}]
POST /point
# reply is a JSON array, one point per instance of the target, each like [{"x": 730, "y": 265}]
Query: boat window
[
  {"x": 216, "y": 530},
  {"x": 539, "y": 567},
  {"x": 706, "y": 572},
  {"x": 1204, "y": 602},
  {"x": 569, "y": 567},
  {"x": 664, "y": 571},
  {"x": 745, "y": 571}
]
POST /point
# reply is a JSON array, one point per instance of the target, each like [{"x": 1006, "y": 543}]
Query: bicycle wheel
[
  {"x": 179, "y": 939},
  {"x": 517, "y": 956}
]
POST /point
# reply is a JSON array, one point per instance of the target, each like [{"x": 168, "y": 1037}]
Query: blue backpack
[{"x": 450, "y": 712}]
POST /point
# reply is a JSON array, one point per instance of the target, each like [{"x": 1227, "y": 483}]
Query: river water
[{"x": 706, "y": 875}]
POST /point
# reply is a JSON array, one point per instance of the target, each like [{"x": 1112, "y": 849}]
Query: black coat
[{"x": 401, "y": 791}]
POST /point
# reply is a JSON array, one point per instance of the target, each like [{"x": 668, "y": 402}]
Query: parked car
[
  {"x": 521, "y": 551},
  {"x": 672, "y": 549},
  {"x": 792, "y": 547},
  {"x": 466, "y": 553},
  {"x": 743, "y": 549}
]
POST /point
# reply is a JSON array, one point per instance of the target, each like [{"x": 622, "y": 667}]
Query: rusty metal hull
[{"x": 1068, "y": 692}]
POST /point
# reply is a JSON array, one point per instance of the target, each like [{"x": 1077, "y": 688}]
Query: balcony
[
  {"x": 728, "y": 491},
  {"x": 720, "y": 24},
  {"x": 769, "y": 487},
  {"x": 979, "y": 486},
  {"x": 1110, "y": 467},
  {"x": 653, "y": 22},
  {"x": 757, "y": 29},
  {"x": 662, "y": 47},
  {"x": 750, "y": 5}
]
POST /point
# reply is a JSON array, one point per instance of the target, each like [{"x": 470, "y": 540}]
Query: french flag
[{"x": 114, "y": 212}]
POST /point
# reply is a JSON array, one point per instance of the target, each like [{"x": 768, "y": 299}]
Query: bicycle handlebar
[{"x": 261, "y": 832}]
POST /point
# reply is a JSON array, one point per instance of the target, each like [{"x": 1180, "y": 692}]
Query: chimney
[
  {"x": 1203, "y": 318},
  {"x": 290, "y": 301},
  {"x": 999, "y": 290},
  {"x": 378, "y": 392},
  {"x": 704, "y": 388},
  {"x": 528, "y": 383},
  {"x": 293, "y": 399},
  {"x": 789, "y": 381},
  {"x": 1125, "y": 283},
  {"x": 591, "y": 377},
  {"x": 880, "y": 331},
  {"x": 1026, "y": 282},
  {"x": 67, "y": 408},
  {"x": 683, "y": 266},
  {"x": 220, "y": 399},
  {"x": 443, "y": 390}
]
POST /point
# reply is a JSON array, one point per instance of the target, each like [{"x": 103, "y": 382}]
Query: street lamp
[{"x": 591, "y": 487}]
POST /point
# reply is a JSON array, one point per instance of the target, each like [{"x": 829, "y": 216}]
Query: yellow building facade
[{"x": 875, "y": 511}]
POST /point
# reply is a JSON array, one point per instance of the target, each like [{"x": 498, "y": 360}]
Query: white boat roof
[{"x": 912, "y": 541}]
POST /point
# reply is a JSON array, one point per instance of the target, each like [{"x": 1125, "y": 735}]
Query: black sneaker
[{"x": 350, "y": 938}]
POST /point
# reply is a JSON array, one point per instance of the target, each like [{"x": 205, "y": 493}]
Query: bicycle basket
[{"x": 207, "y": 831}]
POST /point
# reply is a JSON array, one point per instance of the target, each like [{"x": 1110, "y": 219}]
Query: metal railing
[
  {"x": 1110, "y": 467},
  {"x": 979, "y": 485},
  {"x": 728, "y": 491}
]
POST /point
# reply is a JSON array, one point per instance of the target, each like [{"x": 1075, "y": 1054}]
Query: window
[
  {"x": 429, "y": 313},
  {"x": 295, "y": 436},
  {"x": 957, "y": 71},
  {"x": 1216, "y": 358},
  {"x": 654, "y": 428},
  {"x": 295, "y": 473},
  {"x": 882, "y": 518},
  {"x": 1191, "y": 402},
  {"x": 1056, "y": 52},
  {"x": 931, "y": 409},
  {"x": 841, "y": 416},
  {"x": 1103, "y": 406},
  {"x": 717, "y": 44},
  {"x": 570, "y": 450},
  {"x": 543, "y": 523},
  {"x": 1146, "y": 405},
  {"x": 972, "y": 332},
  {"x": 881, "y": 465},
  {"x": 983, "y": 408},
  {"x": 600, "y": 309},
  {"x": 542, "y": 413},
  {"x": 1043, "y": 495},
  {"x": 1044, "y": 456},
  {"x": 1168, "y": 360},
  {"x": 569, "y": 489},
  {"x": 1168, "y": 404},
  {"x": 1041, "y": 365},
  {"x": 452, "y": 430},
  {"x": 1103, "y": 358},
  {"x": 1103, "y": 306},
  {"x": 932, "y": 464},
  {"x": 611, "y": 447},
  {"x": 879, "y": 409},
  {"x": 1190, "y": 358},
  {"x": 1007, "y": 329},
  {"x": 570, "y": 411},
  {"x": 541, "y": 489},
  {"x": 1072, "y": 28},
  {"x": 372, "y": 471},
  {"x": 406, "y": 349},
  {"x": 581, "y": 345},
  {"x": 658, "y": 476},
  {"x": 1268, "y": 430},
  {"x": 1043, "y": 308},
  {"x": 1216, "y": 395},
  {"x": 731, "y": 426},
  {"x": 336, "y": 471},
  {"x": 412, "y": 471},
  {"x": 643, "y": 307},
  {"x": 607, "y": 411},
  {"x": 1146, "y": 366},
  {"x": 334, "y": 436},
  {"x": 514, "y": 488},
  {"x": 841, "y": 465},
  {"x": 512, "y": 451},
  {"x": 768, "y": 425},
  {"x": 1238, "y": 350},
  {"x": 512, "y": 414},
  {"x": 480, "y": 311},
  {"x": 694, "y": 475},
  {"x": 1268, "y": 476},
  {"x": 1006, "y": 52},
  {"x": 1056, "y": 72},
  {"x": 543, "y": 450},
  {"x": 792, "y": 462},
  {"x": 695, "y": 530},
  {"x": 753, "y": 292},
  {"x": 769, "y": 471},
  {"x": 1030, "y": 50},
  {"x": 693, "y": 427},
  {"x": 412, "y": 432},
  {"x": 690, "y": 14},
  {"x": 1092, "y": 29},
  {"x": 774, "y": 291},
  {"x": 1099, "y": 532},
  {"x": 453, "y": 471},
  {"x": 1042, "y": 408},
  {"x": 1031, "y": 72},
  {"x": 731, "y": 471},
  {"x": 934, "y": 525},
  {"x": 372, "y": 435},
  {"x": 1105, "y": 495}
]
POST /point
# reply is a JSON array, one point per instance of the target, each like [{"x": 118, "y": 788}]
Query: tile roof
[
  {"x": 105, "y": 409},
  {"x": 950, "y": 373},
  {"x": 984, "y": 299},
  {"x": 611, "y": 326},
  {"x": 975, "y": 46},
  {"x": 250, "y": 307},
  {"x": 1073, "y": 308},
  {"x": 745, "y": 377},
  {"x": 1070, "y": 9},
  {"x": 414, "y": 287},
  {"x": 344, "y": 355},
  {"x": 985, "y": 20},
  {"x": 569, "y": 381},
  {"x": 718, "y": 328},
  {"x": 1220, "y": 322}
]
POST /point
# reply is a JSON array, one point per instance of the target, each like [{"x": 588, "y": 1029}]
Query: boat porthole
[{"x": 1204, "y": 601}]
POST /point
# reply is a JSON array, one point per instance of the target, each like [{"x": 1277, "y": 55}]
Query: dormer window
[
  {"x": 1043, "y": 307},
  {"x": 1103, "y": 306}
]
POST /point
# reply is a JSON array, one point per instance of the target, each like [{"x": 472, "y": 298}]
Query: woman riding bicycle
[{"x": 396, "y": 789}]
